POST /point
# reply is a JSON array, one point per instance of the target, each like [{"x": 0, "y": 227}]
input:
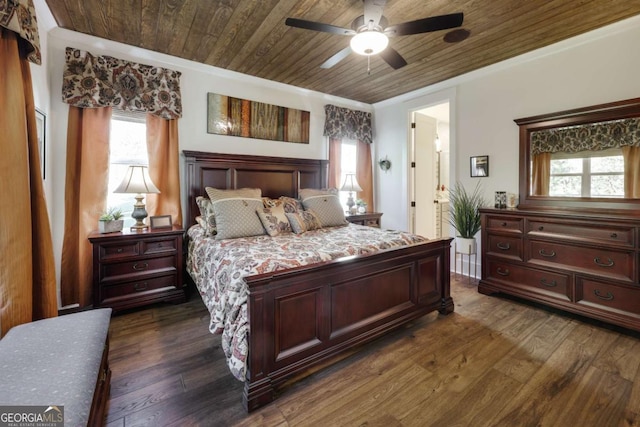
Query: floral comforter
[{"x": 218, "y": 268}]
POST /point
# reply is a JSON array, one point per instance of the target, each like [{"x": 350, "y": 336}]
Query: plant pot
[
  {"x": 110, "y": 226},
  {"x": 466, "y": 246}
]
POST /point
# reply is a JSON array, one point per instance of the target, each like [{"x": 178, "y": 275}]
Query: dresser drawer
[
  {"x": 130, "y": 289},
  {"x": 607, "y": 263},
  {"x": 504, "y": 246},
  {"x": 608, "y": 296},
  {"x": 157, "y": 246},
  {"x": 111, "y": 251},
  {"x": 143, "y": 266},
  {"x": 513, "y": 225},
  {"x": 530, "y": 280},
  {"x": 623, "y": 236}
]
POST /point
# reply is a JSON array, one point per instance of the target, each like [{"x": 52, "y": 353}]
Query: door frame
[{"x": 426, "y": 101}]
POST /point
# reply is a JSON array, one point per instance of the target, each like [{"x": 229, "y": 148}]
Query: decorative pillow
[
  {"x": 235, "y": 212},
  {"x": 274, "y": 220},
  {"x": 309, "y": 192},
  {"x": 290, "y": 204},
  {"x": 327, "y": 208},
  {"x": 206, "y": 215},
  {"x": 303, "y": 221}
]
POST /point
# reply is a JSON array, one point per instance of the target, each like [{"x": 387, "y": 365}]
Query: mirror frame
[{"x": 598, "y": 113}]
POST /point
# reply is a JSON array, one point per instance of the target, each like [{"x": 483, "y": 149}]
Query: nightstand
[
  {"x": 131, "y": 268},
  {"x": 371, "y": 219}
]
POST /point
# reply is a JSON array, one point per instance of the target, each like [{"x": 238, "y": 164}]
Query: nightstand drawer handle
[
  {"x": 602, "y": 264},
  {"x": 119, "y": 250},
  {"x": 551, "y": 284},
  {"x": 614, "y": 235},
  {"x": 504, "y": 224},
  {"x": 608, "y": 297},
  {"x": 142, "y": 266},
  {"x": 503, "y": 246},
  {"x": 140, "y": 286},
  {"x": 540, "y": 228},
  {"x": 547, "y": 254},
  {"x": 502, "y": 272}
]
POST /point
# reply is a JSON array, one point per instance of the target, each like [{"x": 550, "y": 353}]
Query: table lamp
[
  {"x": 350, "y": 185},
  {"x": 137, "y": 181}
]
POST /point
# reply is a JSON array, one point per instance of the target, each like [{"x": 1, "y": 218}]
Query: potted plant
[
  {"x": 110, "y": 221},
  {"x": 464, "y": 216},
  {"x": 362, "y": 206}
]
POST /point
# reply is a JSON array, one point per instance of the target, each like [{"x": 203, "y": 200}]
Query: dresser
[
  {"x": 582, "y": 263},
  {"x": 370, "y": 219},
  {"x": 132, "y": 269}
]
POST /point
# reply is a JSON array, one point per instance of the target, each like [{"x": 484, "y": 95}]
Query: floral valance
[
  {"x": 91, "y": 81},
  {"x": 345, "y": 123},
  {"x": 590, "y": 137},
  {"x": 19, "y": 16}
]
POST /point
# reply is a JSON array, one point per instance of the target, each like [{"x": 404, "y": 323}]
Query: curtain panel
[
  {"x": 349, "y": 124},
  {"x": 588, "y": 137},
  {"x": 27, "y": 271},
  {"x": 91, "y": 81},
  {"x": 19, "y": 16}
]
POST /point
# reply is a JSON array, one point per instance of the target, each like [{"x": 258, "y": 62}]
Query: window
[
  {"x": 127, "y": 146},
  {"x": 347, "y": 165},
  {"x": 600, "y": 174}
]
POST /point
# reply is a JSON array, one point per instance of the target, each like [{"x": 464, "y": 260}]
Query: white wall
[
  {"x": 196, "y": 81},
  {"x": 598, "y": 67}
]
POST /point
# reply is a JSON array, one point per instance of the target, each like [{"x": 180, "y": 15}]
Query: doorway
[{"x": 430, "y": 177}]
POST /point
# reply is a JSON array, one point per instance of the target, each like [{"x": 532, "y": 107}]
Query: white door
[{"x": 424, "y": 186}]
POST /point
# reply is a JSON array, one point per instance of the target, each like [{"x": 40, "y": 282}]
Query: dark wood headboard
[{"x": 276, "y": 176}]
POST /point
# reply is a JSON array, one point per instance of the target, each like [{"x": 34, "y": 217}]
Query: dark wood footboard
[{"x": 301, "y": 317}]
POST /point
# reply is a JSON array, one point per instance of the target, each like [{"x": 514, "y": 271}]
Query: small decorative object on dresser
[
  {"x": 111, "y": 221},
  {"x": 132, "y": 268},
  {"x": 370, "y": 219}
]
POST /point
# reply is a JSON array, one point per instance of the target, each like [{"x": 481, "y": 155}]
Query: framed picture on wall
[
  {"x": 41, "y": 128},
  {"x": 480, "y": 166}
]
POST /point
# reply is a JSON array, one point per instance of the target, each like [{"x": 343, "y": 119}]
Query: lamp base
[{"x": 139, "y": 214}]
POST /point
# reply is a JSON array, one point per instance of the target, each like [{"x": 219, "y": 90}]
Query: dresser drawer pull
[
  {"x": 609, "y": 296},
  {"x": 502, "y": 272},
  {"x": 142, "y": 266},
  {"x": 503, "y": 246},
  {"x": 540, "y": 228},
  {"x": 545, "y": 254},
  {"x": 119, "y": 250},
  {"x": 504, "y": 224},
  {"x": 602, "y": 264},
  {"x": 551, "y": 284},
  {"x": 614, "y": 235},
  {"x": 140, "y": 286}
]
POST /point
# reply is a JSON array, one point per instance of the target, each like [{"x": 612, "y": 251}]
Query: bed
[{"x": 300, "y": 317}]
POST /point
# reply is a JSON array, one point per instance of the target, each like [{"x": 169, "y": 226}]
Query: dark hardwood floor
[{"x": 493, "y": 362}]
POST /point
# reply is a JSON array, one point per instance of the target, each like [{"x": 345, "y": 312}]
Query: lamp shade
[
  {"x": 350, "y": 183},
  {"x": 136, "y": 180},
  {"x": 369, "y": 42}
]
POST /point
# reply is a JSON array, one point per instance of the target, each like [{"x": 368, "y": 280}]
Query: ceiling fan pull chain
[{"x": 368, "y": 65}]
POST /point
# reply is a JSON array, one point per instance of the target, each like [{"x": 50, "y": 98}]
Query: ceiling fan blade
[
  {"x": 317, "y": 26},
  {"x": 336, "y": 58},
  {"x": 425, "y": 25},
  {"x": 373, "y": 11},
  {"x": 393, "y": 58}
]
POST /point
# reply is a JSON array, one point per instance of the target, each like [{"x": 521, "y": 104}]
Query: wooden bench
[{"x": 61, "y": 361}]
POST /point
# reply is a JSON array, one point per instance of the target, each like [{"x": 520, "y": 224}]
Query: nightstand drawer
[
  {"x": 118, "y": 250},
  {"x": 159, "y": 246},
  {"x": 372, "y": 223},
  {"x": 131, "y": 289},
  {"x": 142, "y": 266}
]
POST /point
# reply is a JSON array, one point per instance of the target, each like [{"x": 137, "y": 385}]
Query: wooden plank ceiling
[{"x": 250, "y": 36}]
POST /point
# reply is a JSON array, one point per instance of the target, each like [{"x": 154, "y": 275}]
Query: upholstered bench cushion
[{"x": 54, "y": 362}]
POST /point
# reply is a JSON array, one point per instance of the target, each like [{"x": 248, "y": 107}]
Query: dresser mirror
[{"x": 582, "y": 159}]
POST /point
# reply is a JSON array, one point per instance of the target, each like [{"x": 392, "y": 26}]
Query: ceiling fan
[{"x": 370, "y": 32}]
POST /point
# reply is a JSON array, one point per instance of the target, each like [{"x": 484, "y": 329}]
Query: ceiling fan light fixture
[{"x": 369, "y": 43}]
